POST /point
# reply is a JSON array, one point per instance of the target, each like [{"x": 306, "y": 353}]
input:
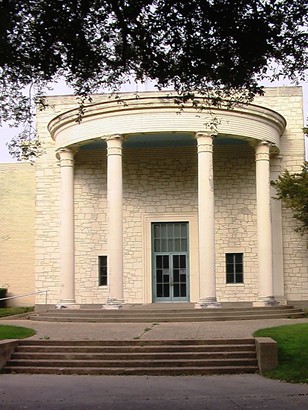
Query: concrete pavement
[
  {"x": 147, "y": 331},
  {"x": 230, "y": 392},
  {"x": 140, "y": 392}
]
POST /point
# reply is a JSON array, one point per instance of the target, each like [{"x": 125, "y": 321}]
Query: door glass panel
[
  {"x": 170, "y": 230},
  {"x": 159, "y": 290},
  {"x": 177, "y": 244},
  {"x": 159, "y": 261},
  {"x": 176, "y": 276},
  {"x": 177, "y": 230},
  {"x": 170, "y": 245},
  {"x": 183, "y": 278},
  {"x": 156, "y": 245},
  {"x": 166, "y": 261},
  {"x": 166, "y": 278},
  {"x": 176, "y": 261},
  {"x": 183, "y": 290},
  {"x": 183, "y": 245},
  {"x": 184, "y": 230},
  {"x": 179, "y": 276},
  {"x": 163, "y": 230},
  {"x": 183, "y": 261}
]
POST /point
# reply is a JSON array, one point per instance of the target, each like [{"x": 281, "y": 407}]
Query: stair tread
[
  {"x": 159, "y": 318},
  {"x": 13, "y": 368},
  {"x": 133, "y": 360},
  {"x": 139, "y": 343},
  {"x": 129, "y": 354}
]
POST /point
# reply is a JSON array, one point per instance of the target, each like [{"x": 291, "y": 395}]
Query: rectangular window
[
  {"x": 102, "y": 270},
  {"x": 234, "y": 268}
]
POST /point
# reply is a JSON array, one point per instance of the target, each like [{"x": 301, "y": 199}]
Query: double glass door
[{"x": 170, "y": 261}]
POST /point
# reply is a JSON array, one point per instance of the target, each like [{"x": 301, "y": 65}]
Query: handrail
[{"x": 28, "y": 294}]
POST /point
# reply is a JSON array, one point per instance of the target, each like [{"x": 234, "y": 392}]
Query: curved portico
[{"x": 156, "y": 119}]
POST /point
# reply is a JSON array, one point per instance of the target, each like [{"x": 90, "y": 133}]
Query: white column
[
  {"x": 67, "y": 248},
  {"x": 276, "y": 213},
  {"x": 264, "y": 226},
  {"x": 115, "y": 222},
  {"x": 206, "y": 223}
]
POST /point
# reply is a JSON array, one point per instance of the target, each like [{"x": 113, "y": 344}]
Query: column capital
[
  {"x": 114, "y": 144},
  {"x": 66, "y": 156},
  {"x": 205, "y": 141},
  {"x": 112, "y": 137},
  {"x": 263, "y": 150},
  {"x": 205, "y": 134}
]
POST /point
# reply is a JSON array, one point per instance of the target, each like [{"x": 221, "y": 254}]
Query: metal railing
[{"x": 27, "y": 294}]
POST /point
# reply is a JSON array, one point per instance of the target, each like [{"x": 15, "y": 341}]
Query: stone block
[{"x": 267, "y": 354}]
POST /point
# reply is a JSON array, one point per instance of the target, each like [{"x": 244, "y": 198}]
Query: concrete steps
[
  {"x": 157, "y": 357},
  {"x": 161, "y": 315}
]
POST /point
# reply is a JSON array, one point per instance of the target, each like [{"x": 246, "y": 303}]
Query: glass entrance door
[{"x": 170, "y": 261}]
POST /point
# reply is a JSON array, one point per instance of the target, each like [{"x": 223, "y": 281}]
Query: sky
[{"x": 6, "y": 133}]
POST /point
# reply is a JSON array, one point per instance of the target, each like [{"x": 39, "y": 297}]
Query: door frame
[
  {"x": 172, "y": 298},
  {"x": 192, "y": 220}
]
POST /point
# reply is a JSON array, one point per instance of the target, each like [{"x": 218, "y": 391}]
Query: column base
[
  {"x": 281, "y": 300},
  {"x": 113, "y": 304},
  {"x": 67, "y": 305},
  {"x": 207, "y": 303},
  {"x": 268, "y": 301}
]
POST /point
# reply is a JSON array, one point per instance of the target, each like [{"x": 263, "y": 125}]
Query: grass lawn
[
  {"x": 15, "y": 310},
  {"x": 15, "y": 332},
  {"x": 292, "y": 352}
]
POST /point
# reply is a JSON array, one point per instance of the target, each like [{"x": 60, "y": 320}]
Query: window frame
[
  {"x": 102, "y": 270},
  {"x": 237, "y": 268}
]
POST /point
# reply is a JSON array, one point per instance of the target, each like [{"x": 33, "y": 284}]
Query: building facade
[{"x": 142, "y": 202}]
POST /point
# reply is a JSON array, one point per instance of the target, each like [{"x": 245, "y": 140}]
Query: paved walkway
[
  {"x": 231, "y": 392},
  {"x": 147, "y": 331}
]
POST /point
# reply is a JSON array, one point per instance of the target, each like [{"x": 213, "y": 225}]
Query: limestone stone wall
[
  {"x": 235, "y": 219},
  {"x": 47, "y": 220},
  {"x": 164, "y": 181},
  {"x": 17, "y": 204}
]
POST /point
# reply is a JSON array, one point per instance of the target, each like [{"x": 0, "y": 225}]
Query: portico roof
[{"x": 155, "y": 117}]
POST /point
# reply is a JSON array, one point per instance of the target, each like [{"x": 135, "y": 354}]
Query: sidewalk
[
  {"x": 148, "y": 331},
  {"x": 231, "y": 392}
]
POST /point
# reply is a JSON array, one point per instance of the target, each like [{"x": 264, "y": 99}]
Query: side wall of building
[{"x": 17, "y": 204}]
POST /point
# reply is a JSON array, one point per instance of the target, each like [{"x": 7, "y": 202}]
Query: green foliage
[
  {"x": 292, "y": 189},
  {"x": 292, "y": 352},
  {"x": 15, "y": 332},
  {"x": 215, "y": 48},
  {"x": 15, "y": 311}
]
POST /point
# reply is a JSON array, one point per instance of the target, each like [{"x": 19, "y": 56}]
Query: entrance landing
[{"x": 160, "y": 313}]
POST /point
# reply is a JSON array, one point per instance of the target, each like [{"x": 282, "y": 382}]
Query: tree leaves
[
  {"x": 292, "y": 189},
  {"x": 216, "y": 48}
]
